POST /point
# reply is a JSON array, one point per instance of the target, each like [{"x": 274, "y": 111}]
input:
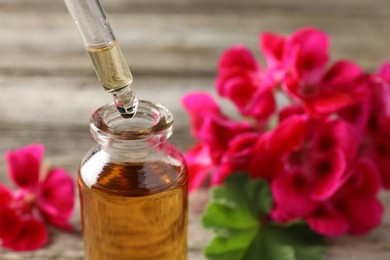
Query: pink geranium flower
[
  {"x": 272, "y": 147},
  {"x": 315, "y": 168},
  {"x": 324, "y": 148},
  {"x": 236, "y": 156},
  {"x": 300, "y": 62},
  {"x": 242, "y": 81},
  {"x": 213, "y": 130},
  {"x": 291, "y": 192},
  {"x": 43, "y": 196},
  {"x": 371, "y": 118},
  {"x": 378, "y": 148},
  {"x": 343, "y": 212}
]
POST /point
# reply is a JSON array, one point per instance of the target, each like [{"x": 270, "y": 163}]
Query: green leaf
[
  {"x": 259, "y": 196},
  {"x": 236, "y": 214},
  {"x": 231, "y": 247},
  {"x": 219, "y": 216},
  {"x": 304, "y": 243},
  {"x": 264, "y": 247}
]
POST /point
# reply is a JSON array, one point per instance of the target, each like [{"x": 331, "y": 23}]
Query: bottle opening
[{"x": 150, "y": 119}]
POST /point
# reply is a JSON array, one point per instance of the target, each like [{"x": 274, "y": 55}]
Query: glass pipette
[{"x": 105, "y": 53}]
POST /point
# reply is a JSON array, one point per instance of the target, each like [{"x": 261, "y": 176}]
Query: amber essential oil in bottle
[
  {"x": 133, "y": 222},
  {"x": 133, "y": 193}
]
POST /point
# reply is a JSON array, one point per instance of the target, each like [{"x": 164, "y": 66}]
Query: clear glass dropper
[{"x": 105, "y": 53}]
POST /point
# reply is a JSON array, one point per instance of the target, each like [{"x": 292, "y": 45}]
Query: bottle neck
[{"x": 135, "y": 138}]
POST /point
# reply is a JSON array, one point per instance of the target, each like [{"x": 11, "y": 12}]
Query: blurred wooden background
[{"x": 49, "y": 90}]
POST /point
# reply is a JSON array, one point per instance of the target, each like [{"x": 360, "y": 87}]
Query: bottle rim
[{"x": 150, "y": 120}]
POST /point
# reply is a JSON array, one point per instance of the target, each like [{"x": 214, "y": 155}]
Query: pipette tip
[{"x": 126, "y": 102}]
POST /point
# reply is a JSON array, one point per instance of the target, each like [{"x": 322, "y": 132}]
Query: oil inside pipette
[{"x": 115, "y": 76}]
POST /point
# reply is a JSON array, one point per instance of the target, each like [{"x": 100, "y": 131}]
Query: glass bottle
[{"x": 133, "y": 187}]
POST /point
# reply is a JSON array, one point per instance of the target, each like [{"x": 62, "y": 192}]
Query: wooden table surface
[{"x": 49, "y": 90}]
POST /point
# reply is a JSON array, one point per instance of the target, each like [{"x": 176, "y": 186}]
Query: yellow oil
[
  {"x": 110, "y": 66},
  {"x": 134, "y": 212}
]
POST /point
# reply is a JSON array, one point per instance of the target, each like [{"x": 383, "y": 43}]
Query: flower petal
[
  {"x": 329, "y": 173},
  {"x": 261, "y": 106},
  {"x": 364, "y": 180},
  {"x": 6, "y": 196},
  {"x": 199, "y": 165},
  {"x": 240, "y": 149},
  {"x": 336, "y": 134},
  {"x": 32, "y": 235},
  {"x": 285, "y": 137},
  {"x": 237, "y": 57},
  {"x": 290, "y": 192},
  {"x": 379, "y": 121},
  {"x": 217, "y": 131},
  {"x": 342, "y": 75},
  {"x": 199, "y": 105},
  {"x": 329, "y": 102},
  {"x": 328, "y": 221},
  {"x": 379, "y": 151},
  {"x": 265, "y": 165},
  {"x": 290, "y": 110},
  {"x": 313, "y": 50},
  {"x": 342, "y": 85},
  {"x": 238, "y": 85},
  {"x": 220, "y": 173},
  {"x": 272, "y": 46},
  {"x": 56, "y": 197},
  {"x": 10, "y": 223},
  {"x": 384, "y": 71},
  {"x": 358, "y": 115},
  {"x": 24, "y": 165},
  {"x": 362, "y": 223}
]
